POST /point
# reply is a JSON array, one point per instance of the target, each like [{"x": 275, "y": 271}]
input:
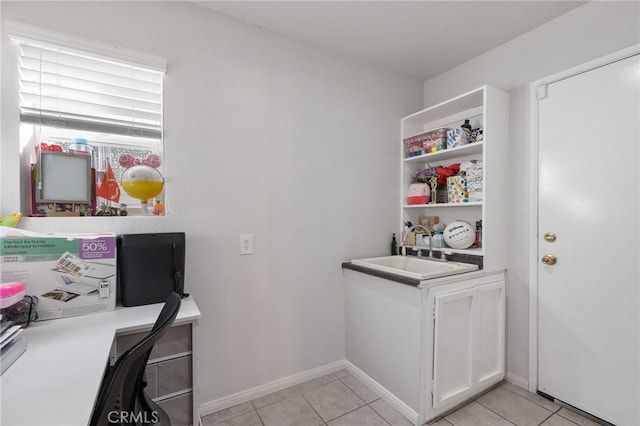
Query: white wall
[
  {"x": 264, "y": 135},
  {"x": 585, "y": 33}
]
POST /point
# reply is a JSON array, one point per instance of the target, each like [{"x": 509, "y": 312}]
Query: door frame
[{"x": 534, "y": 165}]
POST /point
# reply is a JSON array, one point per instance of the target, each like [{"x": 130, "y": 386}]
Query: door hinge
[{"x": 541, "y": 91}]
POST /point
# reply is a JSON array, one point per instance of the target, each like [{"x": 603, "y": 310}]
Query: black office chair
[{"x": 122, "y": 399}]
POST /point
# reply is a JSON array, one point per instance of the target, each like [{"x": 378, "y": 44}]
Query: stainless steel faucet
[{"x": 403, "y": 245}]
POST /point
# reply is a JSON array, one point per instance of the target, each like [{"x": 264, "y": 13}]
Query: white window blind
[{"x": 63, "y": 87}]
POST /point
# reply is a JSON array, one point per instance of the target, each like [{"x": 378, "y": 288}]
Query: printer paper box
[{"x": 70, "y": 275}]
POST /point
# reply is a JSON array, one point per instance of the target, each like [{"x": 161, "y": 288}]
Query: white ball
[{"x": 459, "y": 234}]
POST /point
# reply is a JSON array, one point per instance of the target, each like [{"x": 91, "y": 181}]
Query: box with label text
[{"x": 70, "y": 274}]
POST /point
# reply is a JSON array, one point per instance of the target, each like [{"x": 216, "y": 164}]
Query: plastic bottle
[
  {"x": 394, "y": 245},
  {"x": 437, "y": 241},
  {"x": 466, "y": 125},
  {"x": 80, "y": 146}
]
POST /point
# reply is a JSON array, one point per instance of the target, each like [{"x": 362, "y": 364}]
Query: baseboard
[
  {"x": 267, "y": 388},
  {"x": 387, "y": 396},
  {"x": 518, "y": 381}
]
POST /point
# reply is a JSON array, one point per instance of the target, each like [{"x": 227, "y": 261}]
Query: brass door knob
[{"x": 549, "y": 259}]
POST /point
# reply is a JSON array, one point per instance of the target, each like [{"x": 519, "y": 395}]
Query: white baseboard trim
[
  {"x": 387, "y": 396},
  {"x": 267, "y": 388},
  {"x": 518, "y": 381}
]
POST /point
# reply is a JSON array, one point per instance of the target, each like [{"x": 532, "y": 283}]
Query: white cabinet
[
  {"x": 486, "y": 108},
  {"x": 468, "y": 340},
  {"x": 426, "y": 348}
]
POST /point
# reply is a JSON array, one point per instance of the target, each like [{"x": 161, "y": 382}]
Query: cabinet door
[
  {"x": 489, "y": 314},
  {"x": 468, "y": 346},
  {"x": 453, "y": 369}
]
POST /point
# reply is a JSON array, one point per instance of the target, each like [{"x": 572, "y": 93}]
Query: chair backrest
[{"x": 124, "y": 379}]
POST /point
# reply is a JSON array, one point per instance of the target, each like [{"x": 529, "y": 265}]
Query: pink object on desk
[{"x": 11, "y": 293}]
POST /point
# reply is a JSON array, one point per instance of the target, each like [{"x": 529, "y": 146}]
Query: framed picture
[{"x": 63, "y": 178}]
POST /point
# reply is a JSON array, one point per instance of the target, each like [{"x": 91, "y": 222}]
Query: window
[{"x": 77, "y": 99}]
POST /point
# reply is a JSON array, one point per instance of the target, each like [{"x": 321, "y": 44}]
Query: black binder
[{"x": 150, "y": 267}]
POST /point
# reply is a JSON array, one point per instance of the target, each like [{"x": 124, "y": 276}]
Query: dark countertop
[
  {"x": 478, "y": 260},
  {"x": 381, "y": 274}
]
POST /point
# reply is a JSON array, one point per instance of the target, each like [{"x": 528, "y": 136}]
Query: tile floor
[{"x": 339, "y": 399}]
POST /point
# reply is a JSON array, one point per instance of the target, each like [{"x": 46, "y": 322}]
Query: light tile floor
[{"x": 339, "y": 399}]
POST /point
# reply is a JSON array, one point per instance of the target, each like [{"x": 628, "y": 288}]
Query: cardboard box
[{"x": 70, "y": 274}]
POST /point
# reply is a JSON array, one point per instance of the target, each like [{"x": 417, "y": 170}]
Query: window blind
[{"x": 63, "y": 87}]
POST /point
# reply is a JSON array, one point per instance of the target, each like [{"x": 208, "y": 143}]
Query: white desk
[{"x": 56, "y": 381}]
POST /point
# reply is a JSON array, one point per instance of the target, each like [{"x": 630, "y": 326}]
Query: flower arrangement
[{"x": 424, "y": 175}]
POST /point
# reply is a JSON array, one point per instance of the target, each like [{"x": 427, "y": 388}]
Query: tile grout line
[
  {"x": 381, "y": 416},
  {"x": 367, "y": 404},
  {"x": 498, "y": 414},
  {"x": 515, "y": 393},
  {"x": 553, "y": 414},
  {"x": 314, "y": 408},
  {"x": 260, "y": 418}
]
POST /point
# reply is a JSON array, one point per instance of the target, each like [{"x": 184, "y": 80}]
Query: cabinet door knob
[
  {"x": 549, "y": 259},
  {"x": 550, "y": 237}
]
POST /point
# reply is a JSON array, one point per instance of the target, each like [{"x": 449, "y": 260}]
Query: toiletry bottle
[
  {"x": 437, "y": 241},
  {"x": 394, "y": 245},
  {"x": 478, "y": 233},
  {"x": 466, "y": 125}
]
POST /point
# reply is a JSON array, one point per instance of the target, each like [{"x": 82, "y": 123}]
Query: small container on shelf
[
  {"x": 413, "y": 146},
  {"x": 457, "y": 189},
  {"x": 436, "y": 140},
  {"x": 418, "y": 193}
]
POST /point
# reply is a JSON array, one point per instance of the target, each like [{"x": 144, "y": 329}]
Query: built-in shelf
[
  {"x": 448, "y": 250},
  {"x": 439, "y": 205},
  {"x": 447, "y": 154},
  {"x": 486, "y": 108}
]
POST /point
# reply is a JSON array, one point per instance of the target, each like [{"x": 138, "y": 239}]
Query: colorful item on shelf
[
  {"x": 476, "y": 135},
  {"x": 158, "y": 208},
  {"x": 141, "y": 180},
  {"x": 413, "y": 146},
  {"x": 44, "y": 146},
  {"x": 425, "y": 143},
  {"x": 445, "y": 172},
  {"x": 473, "y": 172},
  {"x": 418, "y": 193},
  {"x": 458, "y": 137},
  {"x": 435, "y": 141},
  {"x": 109, "y": 188},
  {"x": 459, "y": 234},
  {"x": 457, "y": 189},
  {"x": 424, "y": 175}
]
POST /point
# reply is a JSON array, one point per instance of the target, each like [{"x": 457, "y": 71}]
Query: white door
[{"x": 589, "y": 302}]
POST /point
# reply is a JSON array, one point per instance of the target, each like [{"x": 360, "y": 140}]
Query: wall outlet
[{"x": 246, "y": 243}]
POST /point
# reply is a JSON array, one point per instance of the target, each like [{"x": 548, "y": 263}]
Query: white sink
[{"x": 414, "y": 267}]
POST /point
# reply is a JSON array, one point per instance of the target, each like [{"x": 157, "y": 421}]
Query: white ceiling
[{"x": 420, "y": 39}]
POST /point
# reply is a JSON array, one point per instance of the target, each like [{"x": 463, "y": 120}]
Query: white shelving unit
[{"x": 487, "y": 108}]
